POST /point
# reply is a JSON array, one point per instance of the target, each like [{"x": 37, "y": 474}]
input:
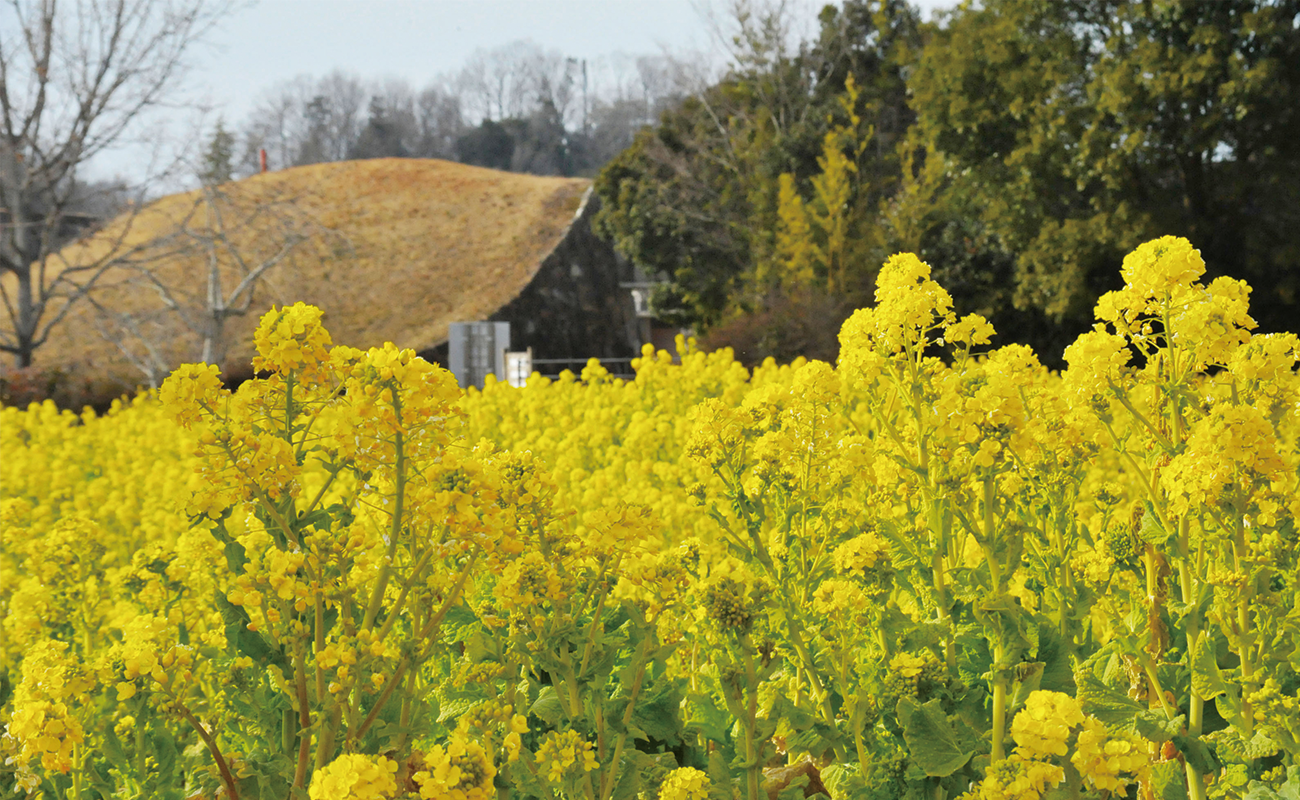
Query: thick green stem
[
  {"x": 288, "y": 730},
  {"x": 999, "y": 707},
  {"x": 1192, "y": 629},
  {"x": 610, "y": 778},
  {"x": 140, "y": 757},
  {"x": 753, "y": 769},
  {"x": 395, "y": 527},
  {"x": 408, "y": 709},
  {"x": 821, "y": 696},
  {"x": 328, "y": 736},
  {"x": 1195, "y": 718},
  {"x": 1244, "y": 648},
  {"x": 304, "y": 720}
]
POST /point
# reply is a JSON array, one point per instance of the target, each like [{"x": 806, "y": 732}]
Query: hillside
[{"x": 391, "y": 249}]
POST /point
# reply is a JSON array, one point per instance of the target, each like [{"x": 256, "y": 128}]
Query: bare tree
[
  {"x": 74, "y": 77},
  {"x": 438, "y": 116},
  {"x": 503, "y": 83},
  {"x": 277, "y": 124},
  {"x": 204, "y": 272}
]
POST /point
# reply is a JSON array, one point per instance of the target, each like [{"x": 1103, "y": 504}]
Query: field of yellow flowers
[{"x": 932, "y": 571}]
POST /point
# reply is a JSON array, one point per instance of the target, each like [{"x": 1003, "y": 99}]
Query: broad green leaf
[
  {"x": 1114, "y": 708},
  {"x": 1151, "y": 531},
  {"x": 1290, "y": 790},
  {"x": 634, "y": 767},
  {"x": 1058, "y": 674},
  {"x": 794, "y": 790},
  {"x": 1206, "y": 678},
  {"x": 707, "y": 717},
  {"x": 719, "y": 776},
  {"x": 547, "y": 707},
  {"x": 451, "y": 705},
  {"x": 1197, "y": 753},
  {"x": 1168, "y": 781},
  {"x": 658, "y": 713},
  {"x": 1156, "y": 726},
  {"x": 1232, "y": 744},
  {"x": 930, "y": 738},
  {"x": 1029, "y": 677}
]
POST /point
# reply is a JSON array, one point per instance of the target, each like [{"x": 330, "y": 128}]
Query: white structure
[{"x": 518, "y": 367}]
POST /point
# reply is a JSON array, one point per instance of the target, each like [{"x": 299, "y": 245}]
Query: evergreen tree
[
  {"x": 217, "y": 164},
  {"x": 1064, "y": 134}
]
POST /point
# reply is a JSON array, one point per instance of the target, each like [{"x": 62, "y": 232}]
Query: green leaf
[
  {"x": 1168, "y": 781},
  {"x": 635, "y": 765},
  {"x": 240, "y": 639},
  {"x": 719, "y": 776},
  {"x": 113, "y": 746},
  {"x": 165, "y": 755},
  {"x": 1230, "y": 742},
  {"x": 1151, "y": 531},
  {"x": 658, "y": 713},
  {"x": 1029, "y": 677},
  {"x": 931, "y": 741},
  {"x": 1157, "y": 727},
  {"x": 324, "y": 519},
  {"x": 1207, "y": 681},
  {"x": 1290, "y": 790},
  {"x": 844, "y": 780},
  {"x": 1197, "y": 753},
  {"x": 707, "y": 717},
  {"x": 547, "y": 708},
  {"x": 1058, "y": 674},
  {"x": 235, "y": 554},
  {"x": 452, "y": 705},
  {"x": 794, "y": 790},
  {"x": 1006, "y": 622},
  {"x": 920, "y": 636},
  {"x": 1114, "y": 708}
]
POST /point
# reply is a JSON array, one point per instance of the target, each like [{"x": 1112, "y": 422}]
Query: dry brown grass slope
[{"x": 399, "y": 249}]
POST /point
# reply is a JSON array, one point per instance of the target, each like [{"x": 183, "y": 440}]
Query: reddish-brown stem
[{"x": 227, "y": 777}]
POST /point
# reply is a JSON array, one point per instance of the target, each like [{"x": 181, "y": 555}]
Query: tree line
[
  {"x": 517, "y": 107},
  {"x": 1021, "y": 147}
]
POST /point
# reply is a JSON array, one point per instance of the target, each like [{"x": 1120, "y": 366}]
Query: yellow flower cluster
[
  {"x": 43, "y": 724},
  {"x": 1106, "y": 760},
  {"x": 291, "y": 339},
  {"x": 565, "y": 756},
  {"x": 1043, "y": 725},
  {"x": 459, "y": 771},
  {"x": 686, "y": 783},
  {"x": 861, "y": 555},
  {"x": 861, "y": 520},
  {"x": 837, "y": 598},
  {"x": 1017, "y": 778},
  {"x": 1109, "y": 761},
  {"x": 1231, "y": 452},
  {"x": 354, "y": 776}
]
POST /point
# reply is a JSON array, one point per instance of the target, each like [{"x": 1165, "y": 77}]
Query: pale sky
[{"x": 276, "y": 40}]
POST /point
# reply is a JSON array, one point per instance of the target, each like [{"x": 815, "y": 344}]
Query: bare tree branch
[
  {"x": 77, "y": 75},
  {"x": 206, "y": 270}
]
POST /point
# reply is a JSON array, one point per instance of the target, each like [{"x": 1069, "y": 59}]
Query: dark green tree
[
  {"x": 488, "y": 145},
  {"x": 382, "y": 135},
  {"x": 695, "y": 199},
  {"x": 1068, "y": 133},
  {"x": 217, "y": 165}
]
